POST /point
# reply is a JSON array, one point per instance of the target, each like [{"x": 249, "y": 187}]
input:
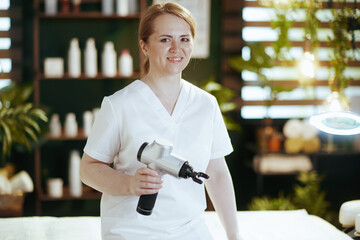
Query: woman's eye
[
  {"x": 185, "y": 39},
  {"x": 165, "y": 40}
]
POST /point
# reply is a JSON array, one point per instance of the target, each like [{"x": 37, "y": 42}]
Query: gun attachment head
[{"x": 187, "y": 171}]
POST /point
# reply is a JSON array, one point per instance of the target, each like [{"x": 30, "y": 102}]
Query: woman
[{"x": 161, "y": 105}]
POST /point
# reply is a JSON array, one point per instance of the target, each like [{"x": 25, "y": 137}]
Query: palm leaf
[
  {"x": 30, "y": 122},
  {"x": 31, "y": 133},
  {"x": 39, "y": 113},
  {"x": 5, "y": 137},
  {"x": 18, "y": 118}
]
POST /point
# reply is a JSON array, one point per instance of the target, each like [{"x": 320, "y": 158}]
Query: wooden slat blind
[
  {"x": 15, "y": 35},
  {"x": 233, "y": 42}
]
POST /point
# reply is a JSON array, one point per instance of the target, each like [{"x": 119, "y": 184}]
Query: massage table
[{"x": 254, "y": 225}]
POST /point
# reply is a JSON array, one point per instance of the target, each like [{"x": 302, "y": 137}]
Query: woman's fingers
[{"x": 146, "y": 181}]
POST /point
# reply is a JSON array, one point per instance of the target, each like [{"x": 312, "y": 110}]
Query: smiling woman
[{"x": 160, "y": 105}]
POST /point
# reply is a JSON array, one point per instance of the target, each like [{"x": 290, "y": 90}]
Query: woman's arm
[
  {"x": 221, "y": 192},
  {"x": 102, "y": 177}
]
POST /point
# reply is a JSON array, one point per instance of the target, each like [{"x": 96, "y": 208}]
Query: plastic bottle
[
  {"x": 87, "y": 122},
  {"x": 55, "y": 125},
  {"x": 122, "y": 7},
  {"x": 90, "y": 58},
  {"x": 74, "y": 58},
  {"x": 109, "y": 60},
  {"x": 107, "y": 7},
  {"x": 65, "y": 6},
  {"x": 74, "y": 174},
  {"x": 71, "y": 126},
  {"x": 133, "y": 6},
  {"x": 76, "y": 5},
  {"x": 51, "y": 7},
  {"x": 125, "y": 63}
]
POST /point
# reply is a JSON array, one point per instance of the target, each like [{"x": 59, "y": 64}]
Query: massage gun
[{"x": 158, "y": 156}]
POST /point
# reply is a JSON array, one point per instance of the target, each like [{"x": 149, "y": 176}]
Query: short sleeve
[
  {"x": 103, "y": 142},
  {"x": 221, "y": 143}
]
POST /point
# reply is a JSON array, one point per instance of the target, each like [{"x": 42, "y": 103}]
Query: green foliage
[
  {"x": 311, "y": 22},
  {"x": 19, "y": 119},
  {"x": 259, "y": 60},
  {"x": 342, "y": 23},
  {"x": 306, "y": 195},
  {"x": 267, "y": 203},
  {"x": 341, "y": 43},
  {"x": 223, "y": 96}
]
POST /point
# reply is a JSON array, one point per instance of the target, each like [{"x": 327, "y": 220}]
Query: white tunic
[{"x": 134, "y": 115}]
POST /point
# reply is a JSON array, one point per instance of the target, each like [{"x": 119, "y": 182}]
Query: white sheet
[
  {"x": 50, "y": 228},
  {"x": 254, "y": 225},
  {"x": 278, "y": 225}
]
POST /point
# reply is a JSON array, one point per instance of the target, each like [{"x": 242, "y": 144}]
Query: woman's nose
[{"x": 174, "y": 47}]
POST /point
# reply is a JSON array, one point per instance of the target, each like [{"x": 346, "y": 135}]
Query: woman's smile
[{"x": 175, "y": 59}]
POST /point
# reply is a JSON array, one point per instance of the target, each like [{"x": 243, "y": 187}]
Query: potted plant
[
  {"x": 19, "y": 119},
  {"x": 19, "y": 125}
]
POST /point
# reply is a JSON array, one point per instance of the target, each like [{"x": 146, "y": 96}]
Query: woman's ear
[{"x": 143, "y": 47}]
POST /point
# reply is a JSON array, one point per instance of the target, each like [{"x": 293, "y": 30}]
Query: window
[
  {"x": 10, "y": 42},
  {"x": 301, "y": 102}
]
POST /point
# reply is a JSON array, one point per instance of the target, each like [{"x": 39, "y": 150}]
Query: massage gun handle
[{"x": 146, "y": 204}]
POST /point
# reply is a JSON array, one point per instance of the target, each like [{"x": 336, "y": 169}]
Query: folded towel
[{"x": 282, "y": 163}]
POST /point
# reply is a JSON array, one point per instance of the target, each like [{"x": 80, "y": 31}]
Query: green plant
[
  {"x": 343, "y": 23},
  {"x": 268, "y": 203},
  {"x": 19, "y": 119},
  {"x": 306, "y": 195},
  {"x": 259, "y": 60},
  {"x": 223, "y": 96},
  {"x": 342, "y": 26}
]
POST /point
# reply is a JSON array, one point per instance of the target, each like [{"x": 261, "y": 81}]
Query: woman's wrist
[{"x": 234, "y": 236}]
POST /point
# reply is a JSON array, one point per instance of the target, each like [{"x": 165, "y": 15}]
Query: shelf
[
  {"x": 88, "y": 193},
  {"x": 80, "y": 136},
  {"x": 87, "y": 16},
  {"x": 100, "y": 76}
]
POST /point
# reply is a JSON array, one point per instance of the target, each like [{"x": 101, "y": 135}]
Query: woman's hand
[{"x": 145, "y": 181}]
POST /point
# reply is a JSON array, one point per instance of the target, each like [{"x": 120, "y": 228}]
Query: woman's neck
[
  {"x": 167, "y": 89},
  {"x": 163, "y": 85}
]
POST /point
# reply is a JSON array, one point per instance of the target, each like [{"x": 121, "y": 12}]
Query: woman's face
[{"x": 170, "y": 46}]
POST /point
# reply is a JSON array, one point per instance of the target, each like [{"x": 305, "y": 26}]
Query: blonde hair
[{"x": 146, "y": 22}]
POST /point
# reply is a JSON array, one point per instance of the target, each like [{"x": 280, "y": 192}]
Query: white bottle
[
  {"x": 51, "y": 7},
  {"x": 87, "y": 122},
  {"x": 55, "y": 125},
  {"x": 74, "y": 59},
  {"x": 125, "y": 63},
  {"x": 107, "y": 7},
  {"x": 71, "y": 126},
  {"x": 74, "y": 174},
  {"x": 133, "y": 6},
  {"x": 122, "y": 7},
  {"x": 109, "y": 60},
  {"x": 90, "y": 58}
]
